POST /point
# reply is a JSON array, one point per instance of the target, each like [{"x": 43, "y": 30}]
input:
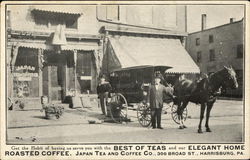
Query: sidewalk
[{"x": 36, "y": 117}]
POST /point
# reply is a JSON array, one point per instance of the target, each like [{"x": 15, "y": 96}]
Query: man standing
[
  {"x": 103, "y": 89},
  {"x": 156, "y": 95}
]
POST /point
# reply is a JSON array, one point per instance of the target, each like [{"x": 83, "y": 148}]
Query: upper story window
[
  {"x": 50, "y": 20},
  {"x": 113, "y": 12},
  {"x": 211, "y": 38},
  {"x": 240, "y": 51},
  {"x": 197, "y": 41},
  {"x": 198, "y": 57},
  {"x": 211, "y": 55},
  {"x": 8, "y": 20}
]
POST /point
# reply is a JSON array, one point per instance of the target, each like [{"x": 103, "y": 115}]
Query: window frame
[
  {"x": 197, "y": 41},
  {"x": 199, "y": 57},
  {"x": 211, "y": 38},
  {"x": 212, "y": 56},
  {"x": 50, "y": 19},
  {"x": 118, "y": 13}
]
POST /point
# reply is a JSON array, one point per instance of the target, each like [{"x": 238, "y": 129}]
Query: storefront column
[
  {"x": 9, "y": 74},
  {"x": 75, "y": 61},
  {"x": 14, "y": 56},
  {"x": 49, "y": 83},
  {"x": 40, "y": 73}
]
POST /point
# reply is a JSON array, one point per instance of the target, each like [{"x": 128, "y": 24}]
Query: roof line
[
  {"x": 139, "y": 30},
  {"x": 217, "y": 26}
]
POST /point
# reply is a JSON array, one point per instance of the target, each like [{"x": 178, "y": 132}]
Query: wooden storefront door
[{"x": 56, "y": 79}]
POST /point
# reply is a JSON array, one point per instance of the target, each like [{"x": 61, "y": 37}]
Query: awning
[
  {"x": 141, "y": 51},
  {"x": 57, "y": 9},
  {"x": 34, "y": 45},
  {"x": 79, "y": 47}
]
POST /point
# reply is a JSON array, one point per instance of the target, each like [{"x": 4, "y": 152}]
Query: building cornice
[
  {"x": 35, "y": 34},
  {"x": 138, "y": 30}
]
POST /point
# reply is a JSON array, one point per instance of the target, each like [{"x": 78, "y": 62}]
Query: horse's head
[{"x": 230, "y": 80}]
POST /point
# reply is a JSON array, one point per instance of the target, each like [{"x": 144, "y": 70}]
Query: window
[
  {"x": 52, "y": 20},
  {"x": 211, "y": 55},
  {"x": 113, "y": 12},
  {"x": 83, "y": 70},
  {"x": 198, "y": 57},
  {"x": 197, "y": 41},
  {"x": 240, "y": 51},
  {"x": 41, "y": 21},
  {"x": 25, "y": 81},
  {"x": 70, "y": 23},
  {"x": 211, "y": 38},
  {"x": 8, "y": 20}
]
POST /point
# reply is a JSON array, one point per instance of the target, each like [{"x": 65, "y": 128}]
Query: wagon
[{"x": 129, "y": 86}]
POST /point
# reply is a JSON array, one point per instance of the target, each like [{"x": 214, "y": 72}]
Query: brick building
[{"x": 220, "y": 46}]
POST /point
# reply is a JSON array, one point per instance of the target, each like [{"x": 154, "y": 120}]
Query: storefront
[{"x": 37, "y": 68}]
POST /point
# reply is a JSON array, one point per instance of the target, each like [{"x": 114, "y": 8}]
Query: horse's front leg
[
  {"x": 184, "y": 105},
  {"x": 179, "y": 114},
  {"x": 209, "y": 107},
  {"x": 203, "y": 107}
]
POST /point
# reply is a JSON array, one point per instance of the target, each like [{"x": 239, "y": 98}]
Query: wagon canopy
[{"x": 130, "y": 51}]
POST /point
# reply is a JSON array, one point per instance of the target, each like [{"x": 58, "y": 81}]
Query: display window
[{"x": 25, "y": 74}]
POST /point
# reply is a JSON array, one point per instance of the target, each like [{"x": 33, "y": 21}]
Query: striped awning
[
  {"x": 72, "y": 47},
  {"x": 130, "y": 51},
  {"x": 34, "y": 45},
  {"x": 57, "y": 9},
  {"x": 79, "y": 47}
]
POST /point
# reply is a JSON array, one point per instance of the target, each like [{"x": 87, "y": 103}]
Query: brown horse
[{"x": 203, "y": 92}]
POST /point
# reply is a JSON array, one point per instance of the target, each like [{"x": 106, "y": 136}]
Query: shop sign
[
  {"x": 25, "y": 74},
  {"x": 86, "y": 77},
  {"x": 24, "y": 78},
  {"x": 25, "y": 67}
]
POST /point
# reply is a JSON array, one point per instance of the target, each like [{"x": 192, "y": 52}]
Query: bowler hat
[{"x": 158, "y": 75}]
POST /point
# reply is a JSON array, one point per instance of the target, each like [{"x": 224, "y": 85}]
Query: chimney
[
  {"x": 232, "y": 20},
  {"x": 203, "y": 21}
]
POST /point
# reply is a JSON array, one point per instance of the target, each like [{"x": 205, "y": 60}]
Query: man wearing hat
[
  {"x": 103, "y": 89},
  {"x": 156, "y": 95}
]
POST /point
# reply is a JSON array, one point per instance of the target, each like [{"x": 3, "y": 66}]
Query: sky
[{"x": 216, "y": 15}]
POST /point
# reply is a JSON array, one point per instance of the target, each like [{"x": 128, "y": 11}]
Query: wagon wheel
[
  {"x": 118, "y": 108},
  {"x": 144, "y": 115},
  {"x": 175, "y": 115}
]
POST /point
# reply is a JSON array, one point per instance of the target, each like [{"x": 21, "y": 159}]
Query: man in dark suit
[
  {"x": 103, "y": 89},
  {"x": 156, "y": 95}
]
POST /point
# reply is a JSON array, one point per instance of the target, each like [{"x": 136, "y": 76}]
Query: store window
[
  {"x": 211, "y": 55},
  {"x": 198, "y": 57},
  {"x": 25, "y": 81}
]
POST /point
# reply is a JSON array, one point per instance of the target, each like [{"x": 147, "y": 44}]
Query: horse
[{"x": 203, "y": 92}]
